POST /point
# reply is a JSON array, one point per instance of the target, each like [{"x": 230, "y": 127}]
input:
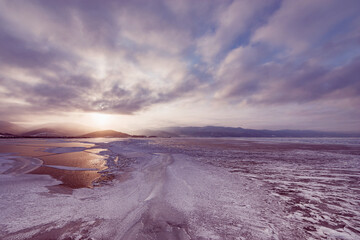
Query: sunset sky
[{"x": 131, "y": 65}]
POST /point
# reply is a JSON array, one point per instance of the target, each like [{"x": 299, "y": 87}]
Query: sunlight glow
[{"x": 100, "y": 120}]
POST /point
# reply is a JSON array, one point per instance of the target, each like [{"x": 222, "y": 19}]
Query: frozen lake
[{"x": 180, "y": 188}]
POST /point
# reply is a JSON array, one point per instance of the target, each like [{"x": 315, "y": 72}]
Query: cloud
[
  {"x": 112, "y": 57},
  {"x": 288, "y": 61},
  {"x": 231, "y": 22},
  {"x": 243, "y": 77},
  {"x": 126, "y": 57},
  {"x": 299, "y": 25}
]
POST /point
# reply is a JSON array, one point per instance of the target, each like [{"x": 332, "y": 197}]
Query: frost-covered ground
[{"x": 193, "y": 189}]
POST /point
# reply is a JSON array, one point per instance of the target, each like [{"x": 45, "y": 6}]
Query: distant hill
[
  {"x": 7, "y": 135},
  {"x": 45, "y": 132},
  {"x": 68, "y": 130},
  {"x": 56, "y": 130},
  {"x": 59, "y": 129},
  {"x": 214, "y": 131},
  {"x": 8, "y": 128},
  {"x": 158, "y": 133},
  {"x": 106, "y": 133}
]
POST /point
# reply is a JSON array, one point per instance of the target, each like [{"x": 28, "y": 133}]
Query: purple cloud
[{"x": 128, "y": 56}]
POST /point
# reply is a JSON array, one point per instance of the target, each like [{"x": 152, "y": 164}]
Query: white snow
[
  {"x": 176, "y": 192},
  {"x": 71, "y": 168},
  {"x": 17, "y": 164},
  {"x": 6, "y": 163}
]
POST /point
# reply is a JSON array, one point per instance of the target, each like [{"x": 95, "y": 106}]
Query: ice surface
[
  {"x": 65, "y": 149},
  {"x": 195, "y": 189},
  {"x": 71, "y": 168},
  {"x": 10, "y": 164},
  {"x": 6, "y": 163}
]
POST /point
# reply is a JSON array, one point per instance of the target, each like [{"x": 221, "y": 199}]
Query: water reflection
[{"x": 72, "y": 176}]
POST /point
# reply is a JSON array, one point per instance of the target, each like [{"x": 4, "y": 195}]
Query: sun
[{"x": 100, "y": 120}]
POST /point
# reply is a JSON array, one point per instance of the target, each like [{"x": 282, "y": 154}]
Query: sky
[{"x": 142, "y": 64}]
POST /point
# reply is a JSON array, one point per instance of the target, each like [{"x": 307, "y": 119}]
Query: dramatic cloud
[
  {"x": 232, "y": 25},
  {"x": 299, "y": 25},
  {"x": 129, "y": 57}
]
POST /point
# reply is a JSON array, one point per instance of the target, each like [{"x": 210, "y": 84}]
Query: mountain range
[
  {"x": 106, "y": 133},
  {"x": 10, "y": 128},
  {"x": 69, "y": 130},
  {"x": 215, "y": 131}
]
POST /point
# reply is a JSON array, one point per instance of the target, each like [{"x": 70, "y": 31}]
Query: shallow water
[
  {"x": 57, "y": 158},
  {"x": 192, "y": 189}
]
